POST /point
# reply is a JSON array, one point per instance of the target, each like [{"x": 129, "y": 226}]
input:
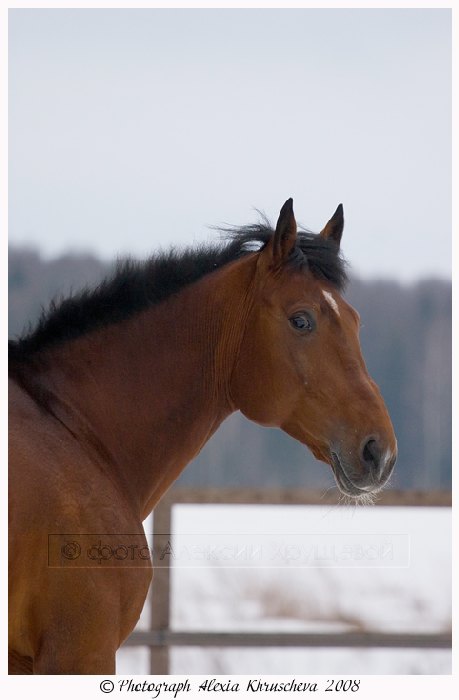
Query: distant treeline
[{"x": 406, "y": 340}]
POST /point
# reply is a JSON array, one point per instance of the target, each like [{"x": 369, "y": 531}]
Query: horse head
[{"x": 300, "y": 365}]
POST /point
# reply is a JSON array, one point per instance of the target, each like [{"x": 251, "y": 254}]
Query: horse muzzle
[{"x": 368, "y": 471}]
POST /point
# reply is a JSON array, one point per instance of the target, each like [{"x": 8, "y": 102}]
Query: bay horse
[{"x": 117, "y": 389}]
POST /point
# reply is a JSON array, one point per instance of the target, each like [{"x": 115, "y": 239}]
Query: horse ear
[
  {"x": 284, "y": 237},
  {"x": 334, "y": 228}
]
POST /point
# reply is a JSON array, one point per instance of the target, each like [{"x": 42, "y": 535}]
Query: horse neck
[{"x": 147, "y": 393}]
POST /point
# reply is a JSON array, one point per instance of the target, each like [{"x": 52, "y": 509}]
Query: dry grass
[{"x": 284, "y": 602}]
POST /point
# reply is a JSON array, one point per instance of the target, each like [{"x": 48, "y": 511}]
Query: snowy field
[{"x": 307, "y": 568}]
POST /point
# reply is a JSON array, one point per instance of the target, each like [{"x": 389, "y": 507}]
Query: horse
[{"x": 118, "y": 388}]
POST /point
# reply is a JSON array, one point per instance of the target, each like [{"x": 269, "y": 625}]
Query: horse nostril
[{"x": 371, "y": 453}]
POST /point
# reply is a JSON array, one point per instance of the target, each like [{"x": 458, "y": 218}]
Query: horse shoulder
[{"x": 56, "y": 489}]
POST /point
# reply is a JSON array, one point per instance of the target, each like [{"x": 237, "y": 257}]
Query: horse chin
[{"x": 365, "y": 496}]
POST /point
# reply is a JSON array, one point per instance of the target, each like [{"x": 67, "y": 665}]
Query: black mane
[{"x": 134, "y": 285}]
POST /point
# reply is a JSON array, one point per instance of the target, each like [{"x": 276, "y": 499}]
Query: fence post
[{"x": 160, "y": 593}]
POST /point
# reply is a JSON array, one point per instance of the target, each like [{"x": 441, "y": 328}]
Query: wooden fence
[{"x": 160, "y": 638}]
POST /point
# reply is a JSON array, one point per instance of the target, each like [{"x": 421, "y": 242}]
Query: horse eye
[{"x": 302, "y": 322}]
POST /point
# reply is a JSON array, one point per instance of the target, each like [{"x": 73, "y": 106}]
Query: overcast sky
[{"x": 134, "y": 129}]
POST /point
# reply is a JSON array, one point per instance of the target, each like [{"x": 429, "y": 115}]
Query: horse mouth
[{"x": 344, "y": 484}]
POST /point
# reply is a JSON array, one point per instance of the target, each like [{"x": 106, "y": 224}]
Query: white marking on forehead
[{"x": 330, "y": 300}]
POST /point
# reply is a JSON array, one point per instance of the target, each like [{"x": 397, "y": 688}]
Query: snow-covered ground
[{"x": 310, "y": 568}]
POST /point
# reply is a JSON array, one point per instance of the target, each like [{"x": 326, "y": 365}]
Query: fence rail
[
  {"x": 401, "y": 640},
  {"x": 160, "y": 638},
  {"x": 297, "y": 496}
]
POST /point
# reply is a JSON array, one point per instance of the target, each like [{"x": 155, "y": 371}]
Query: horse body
[
  {"x": 91, "y": 446},
  {"x": 102, "y": 423}
]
